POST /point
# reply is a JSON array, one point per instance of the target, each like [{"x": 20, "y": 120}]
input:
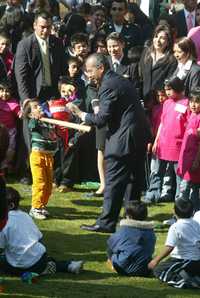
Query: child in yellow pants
[{"x": 43, "y": 146}]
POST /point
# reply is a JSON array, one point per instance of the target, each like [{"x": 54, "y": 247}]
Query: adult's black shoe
[{"x": 96, "y": 228}]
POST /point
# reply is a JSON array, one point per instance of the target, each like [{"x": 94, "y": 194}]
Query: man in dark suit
[
  {"x": 125, "y": 142},
  {"x": 130, "y": 32},
  {"x": 117, "y": 59},
  {"x": 185, "y": 19},
  {"x": 39, "y": 61}
]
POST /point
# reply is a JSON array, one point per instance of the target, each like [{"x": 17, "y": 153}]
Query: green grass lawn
[{"x": 65, "y": 240}]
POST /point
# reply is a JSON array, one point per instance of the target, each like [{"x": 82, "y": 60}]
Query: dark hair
[
  {"x": 27, "y": 107},
  {"x": 136, "y": 210},
  {"x": 73, "y": 24},
  {"x": 79, "y": 38},
  {"x": 84, "y": 8},
  {"x": 134, "y": 54},
  {"x": 42, "y": 14},
  {"x": 99, "y": 37},
  {"x": 139, "y": 16},
  {"x": 183, "y": 208},
  {"x": 4, "y": 137},
  {"x": 195, "y": 94},
  {"x": 119, "y": 1},
  {"x": 7, "y": 86},
  {"x": 188, "y": 47},
  {"x": 74, "y": 59},
  {"x": 12, "y": 197},
  {"x": 65, "y": 81},
  {"x": 168, "y": 20},
  {"x": 100, "y": 60},
  {"x": 175, "y": 84},
  {"x": 115, "y": 36},
  {"x": 150, "y": 48},
  {"x": 5, "y": 35},
  {"x": 99, "y": 7},
  {"x": 168, "y": 32}
]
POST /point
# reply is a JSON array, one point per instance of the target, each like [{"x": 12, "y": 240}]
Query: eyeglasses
[{"x": 117, "y": 8}]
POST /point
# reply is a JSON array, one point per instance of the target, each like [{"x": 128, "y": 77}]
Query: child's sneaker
[
  {"x": 45, "y": 212},
  {"x": 37, "y": 213},
  {"x": 75, "y": 267}
]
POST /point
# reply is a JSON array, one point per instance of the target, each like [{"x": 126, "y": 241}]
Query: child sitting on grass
[
  {"x": 23, "y": 249},
  {"x": 182, "y": 269},
  {"x": 130, "y": 249}
]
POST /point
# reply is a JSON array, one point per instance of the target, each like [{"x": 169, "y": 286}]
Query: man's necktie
[
  {"x": 115, "y": 66},
  {"x": 189, "y": 22},
  {"x": 46, "y": 63}
]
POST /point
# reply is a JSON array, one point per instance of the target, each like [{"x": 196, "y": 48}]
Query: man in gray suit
[{"x": 40, "y": 61}]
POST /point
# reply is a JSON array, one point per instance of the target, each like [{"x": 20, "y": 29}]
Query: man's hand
[{"x": 74, "y": 109}]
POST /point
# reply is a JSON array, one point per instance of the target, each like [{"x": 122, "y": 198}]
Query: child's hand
[
  {"x": 70, "y": 145},
  {"x": 149, "y": 148},
  {"x": 110, "y": 265},
  {"x": 154, "y": 148},
  {"x": 152, "y": 264}
]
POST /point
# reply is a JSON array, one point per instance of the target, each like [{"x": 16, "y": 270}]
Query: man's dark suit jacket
[
  {"x": 180, "y": 21},
  {"x": 128, "y": 70},
  {"x": 3, "y": 73},
  {"x": 123, "y": 68},
  {"x": 122, "y": 112},
  {"x": 28, "y": 66}
]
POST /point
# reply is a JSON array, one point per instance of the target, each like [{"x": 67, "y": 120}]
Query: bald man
[{"x": 126, "y": 140}]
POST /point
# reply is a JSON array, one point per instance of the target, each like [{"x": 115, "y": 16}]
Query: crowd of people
[{"x": 134, "y": 77}]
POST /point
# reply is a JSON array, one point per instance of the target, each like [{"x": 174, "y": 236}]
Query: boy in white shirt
[
  {"x": 21, "y": 241},
  {"x": 182, "y": 269}
]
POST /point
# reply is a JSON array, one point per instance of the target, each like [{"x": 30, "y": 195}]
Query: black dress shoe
[{"x": 96, "y": 228}]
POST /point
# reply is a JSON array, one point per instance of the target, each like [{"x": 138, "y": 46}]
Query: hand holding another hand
[{"x": 74, "y": 109}]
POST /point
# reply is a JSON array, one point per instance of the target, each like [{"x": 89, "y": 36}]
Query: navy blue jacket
[
  {"x": 120, "y": 109},
  {"x": 131, "y": 247}
]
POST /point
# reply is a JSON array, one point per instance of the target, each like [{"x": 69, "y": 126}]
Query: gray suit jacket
[{"x": 28, "y": 66}]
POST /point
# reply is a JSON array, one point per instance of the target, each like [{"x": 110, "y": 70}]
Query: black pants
[
  {"x": 124, "y": 177},
  {"x": 170, "y": 268},
  {"x": 38, "y": 267},
  {"x": 78, "y": 163}
]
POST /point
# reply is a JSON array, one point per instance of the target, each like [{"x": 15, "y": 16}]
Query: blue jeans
[
  {"x": 190, "y": 191},
  {"x": 161, "y": 180}
]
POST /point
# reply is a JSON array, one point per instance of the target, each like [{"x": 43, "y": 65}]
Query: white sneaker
[
  {"x": 75, "y": 267},
  {"x": 45, "y": 212},
  {"x": 169, "y": 222},
  {"x": 37, "y": 214}
]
